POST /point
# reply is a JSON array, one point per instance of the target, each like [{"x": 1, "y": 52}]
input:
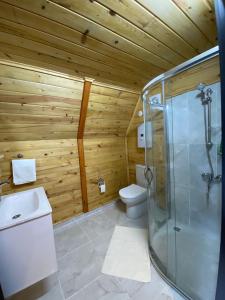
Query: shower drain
[
  {"x": 16, "y": 216},
  {"x": 177, "y": 228}
]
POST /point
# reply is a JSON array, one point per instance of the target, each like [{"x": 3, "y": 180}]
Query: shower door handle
[{"x": 148, "y": 175}]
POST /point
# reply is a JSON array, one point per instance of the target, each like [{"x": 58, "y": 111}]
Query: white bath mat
[{"x": 128, "y": 254}]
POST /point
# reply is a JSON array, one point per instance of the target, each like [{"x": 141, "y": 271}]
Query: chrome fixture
[
  {"x": 154, "y": 101},
  {"x": 205, "y": 96},
  {"x": 206, "y": 99}
]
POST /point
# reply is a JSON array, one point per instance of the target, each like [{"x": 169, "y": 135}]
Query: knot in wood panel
[{"x": 84, "y": 36}]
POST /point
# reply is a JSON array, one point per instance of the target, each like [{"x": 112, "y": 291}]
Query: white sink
[
  {"x": 23, "y": 206},
  {"x": 27, "y": 251}
]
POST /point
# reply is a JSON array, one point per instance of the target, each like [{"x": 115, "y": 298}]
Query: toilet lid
[{"x": 132, "y": 191}]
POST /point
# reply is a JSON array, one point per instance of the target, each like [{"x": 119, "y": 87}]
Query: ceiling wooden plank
[
  {"x": 143, "y": 19},
  {"x": 87, "y": 27},
  {"x": 99, "y": 48},
  {"x": 112, "y": 21},
  {"x": 59, "y": 43},
  {"x": 123, "y": 43},
  {"x": 34, "y": 58},
  {"x": 171, "y": 15},
  {"x": 40, "y": 70},
  {"x": 45, "y": 78},
  {"x": 86, "y": 68},
  {"x": 72, "y": 53},
  {"x": 201, "y": 13}
]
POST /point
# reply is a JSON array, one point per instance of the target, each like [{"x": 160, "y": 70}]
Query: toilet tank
[{"x": 140, "y": 175}]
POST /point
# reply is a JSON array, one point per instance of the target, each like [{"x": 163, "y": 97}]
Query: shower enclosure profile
[{"x": 184, "y": 189}]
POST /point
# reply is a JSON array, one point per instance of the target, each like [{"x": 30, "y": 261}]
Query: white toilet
[{"x": 135, "y": 195}]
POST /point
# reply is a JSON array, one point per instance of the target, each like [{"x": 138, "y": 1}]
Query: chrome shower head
[{"x": 201, "y": 87}]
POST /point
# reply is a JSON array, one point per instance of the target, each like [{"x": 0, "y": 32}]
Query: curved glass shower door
[
  {"x": 184, "y": 200},
  {"x": 159, "y": 198}
]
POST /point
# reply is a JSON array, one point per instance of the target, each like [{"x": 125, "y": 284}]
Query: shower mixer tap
[{"x": 209, "y": 178}]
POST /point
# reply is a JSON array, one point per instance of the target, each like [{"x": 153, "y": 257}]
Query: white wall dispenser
[{"x": 141, "y": 135}]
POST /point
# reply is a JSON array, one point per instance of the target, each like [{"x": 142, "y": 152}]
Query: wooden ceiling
[{"x": 121, "y": 42}]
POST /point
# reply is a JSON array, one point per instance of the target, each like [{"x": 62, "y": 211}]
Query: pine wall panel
[
  {"x": 39, "y": 115},
  {"x": 108, "y": 116}
]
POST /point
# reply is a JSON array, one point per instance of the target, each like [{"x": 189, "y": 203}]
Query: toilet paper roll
[{"x": 102, "y": 188}]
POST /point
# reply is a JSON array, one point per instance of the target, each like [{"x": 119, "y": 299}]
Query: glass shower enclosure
[{"x": 183, "y": 172}]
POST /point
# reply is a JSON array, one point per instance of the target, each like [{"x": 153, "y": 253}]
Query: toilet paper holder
[{"x": 101, "y": 185}]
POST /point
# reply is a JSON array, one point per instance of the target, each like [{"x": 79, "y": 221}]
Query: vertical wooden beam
[
  {"x": 83, "y": 178},
  {"x": 127, "y": 160},
  {"x": 84, "y": 107},
  {"x": 80, "y": 143}
]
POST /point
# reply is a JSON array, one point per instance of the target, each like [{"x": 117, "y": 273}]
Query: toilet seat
[{"x": 132, "y": 191}]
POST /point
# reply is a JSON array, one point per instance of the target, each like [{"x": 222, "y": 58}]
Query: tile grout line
[
  {"x": 85, "y": 233},
  {"x": 79, "y": 218},
  {"x": 74, "y": 249},
  {"x": 61, "y": 289},
  {"x": 84, "y": 287},
  {"x": 90, "y": 240}
]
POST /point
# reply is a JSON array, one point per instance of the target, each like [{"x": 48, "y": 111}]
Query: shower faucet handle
[
  {"x": 209, "y": 92},
  {"x": 208, "y": 177},
  {"x": 217, "y": 179}
]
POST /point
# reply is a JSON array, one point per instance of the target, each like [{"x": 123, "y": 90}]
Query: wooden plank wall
[
  {"x": 39, "y": 117},
  {"x": 105, "y": 158},
  {"x": 39, "y": 114},
  {"x": 135, "y": 155},
  {"x": 109, "y": 113}
]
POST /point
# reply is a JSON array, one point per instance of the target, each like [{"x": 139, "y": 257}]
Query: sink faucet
[{"x": 3, "y": 182}]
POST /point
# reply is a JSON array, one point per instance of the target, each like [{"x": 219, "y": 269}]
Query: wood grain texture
[
  {"x": 80, "y": 135},
  {"x": 84, "y": 108},
  {"x": 38, "y": 106},
  {"x": 109, "y": 111},
  {"x": 201, "y": 12},
  {"x": 135, "y": 155},
  {"x": 39, "y": 116},
  {"x": 105, "y": 158},
  {"x": 57, "y": 171},
  {"x": 150, "y": 25},
  {"x": 207, "y": 72},
  {"x": 42, "y": 116},
  {"x": 174, "y": 17},
  {"x": 124, "y": 43},
  {"x": 83, "y": 177}
]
